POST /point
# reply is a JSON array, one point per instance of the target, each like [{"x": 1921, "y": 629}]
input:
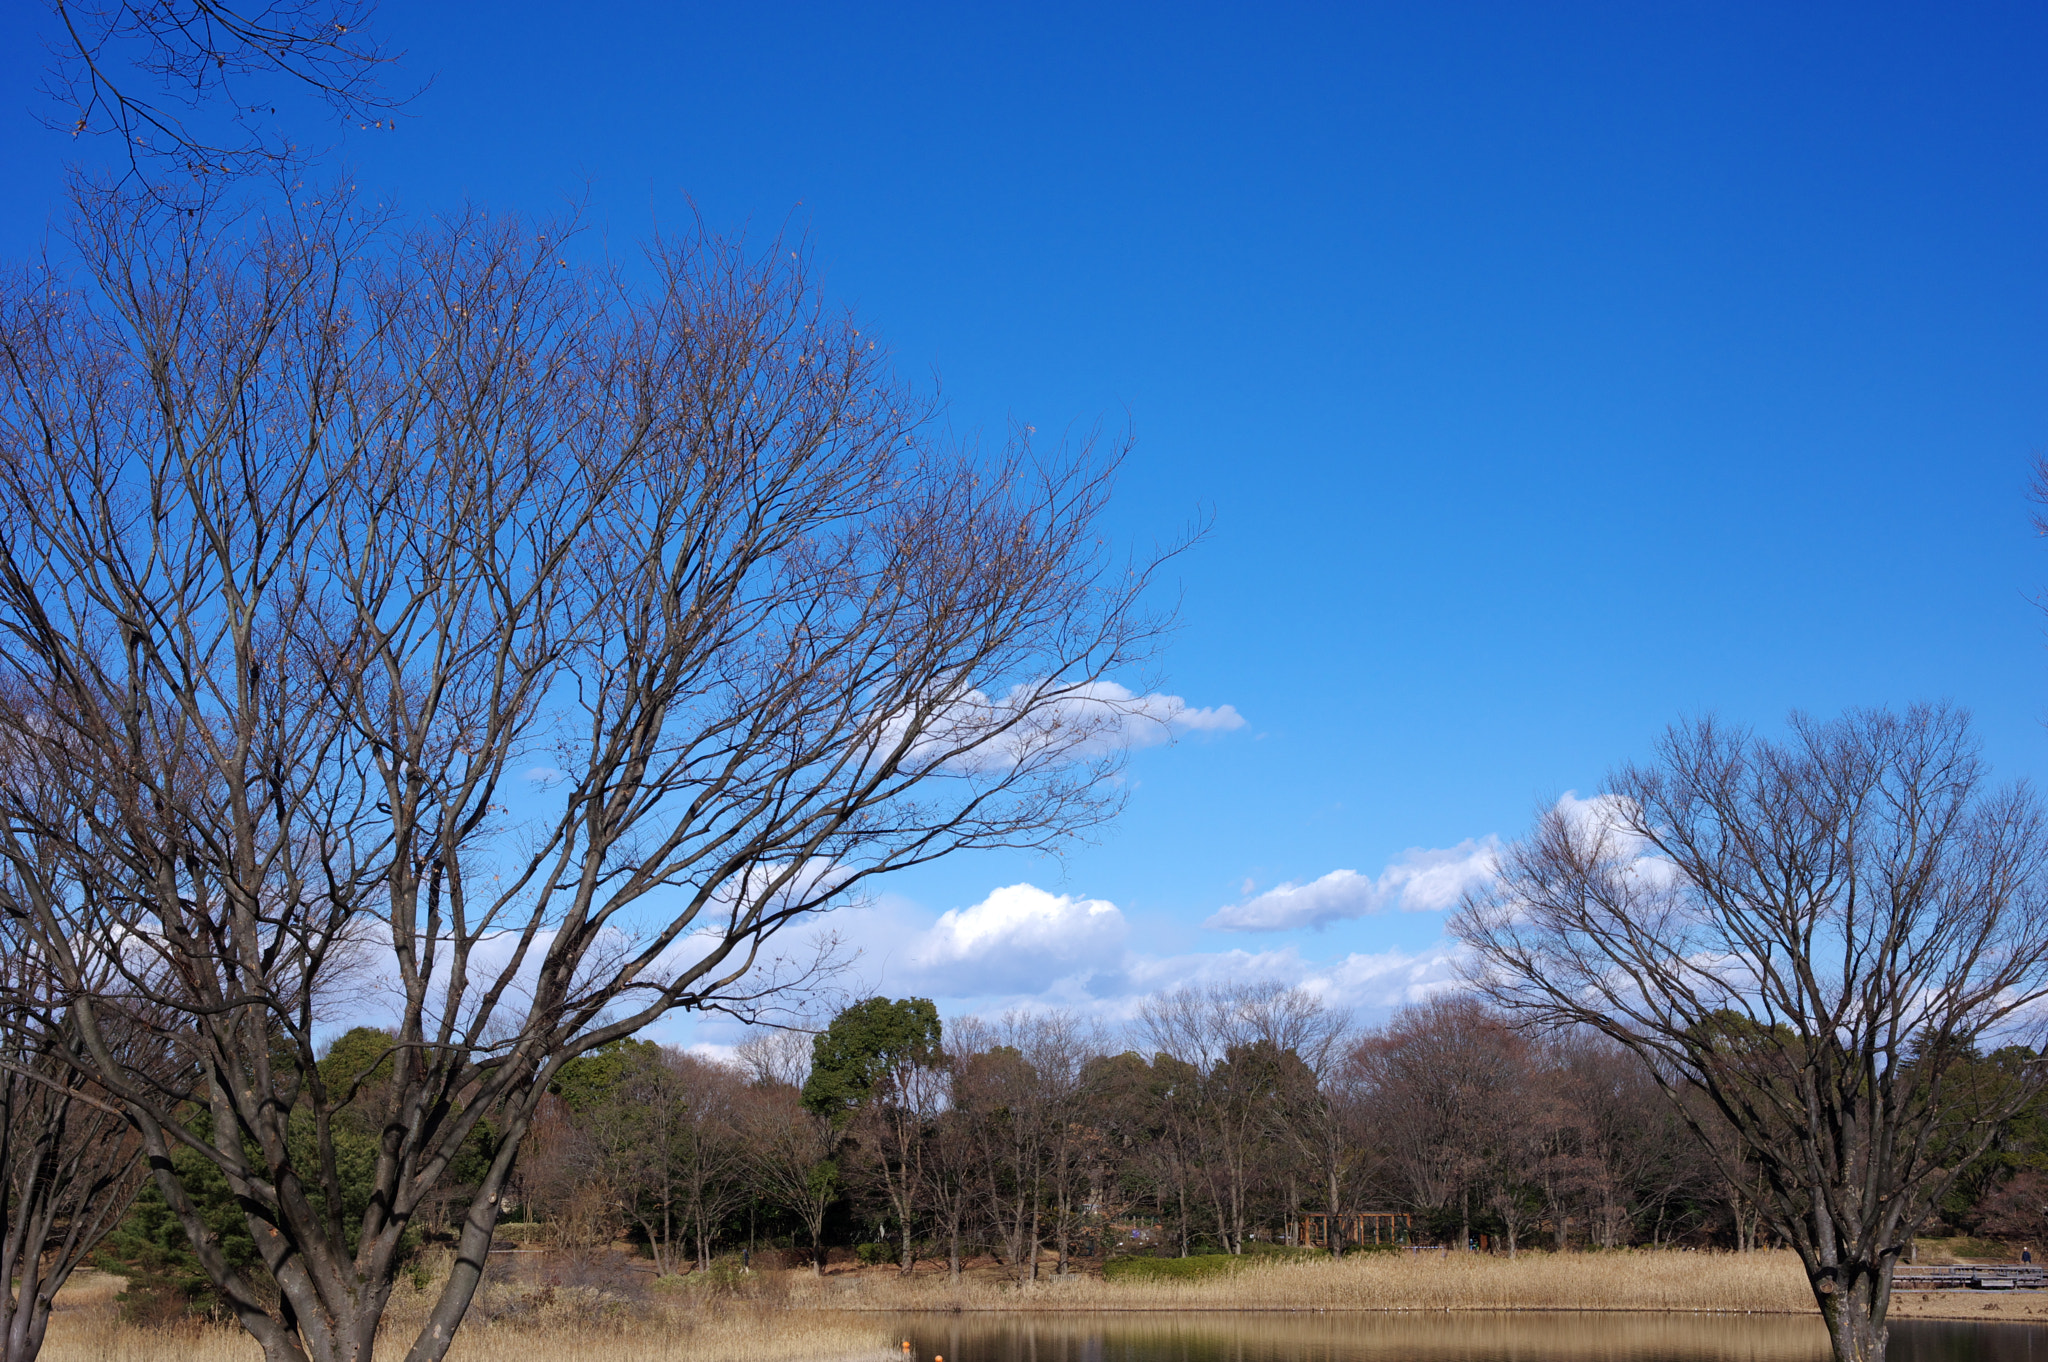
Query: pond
[{"x": 1224, "y": 1337}]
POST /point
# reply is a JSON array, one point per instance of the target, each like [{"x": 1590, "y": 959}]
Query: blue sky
[{"x": 1550, "y": 372}]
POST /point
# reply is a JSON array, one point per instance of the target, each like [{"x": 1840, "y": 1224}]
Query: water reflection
[
  {"x": 1962, "y": 1341},
  {"x": 1220, "y": 1337}
]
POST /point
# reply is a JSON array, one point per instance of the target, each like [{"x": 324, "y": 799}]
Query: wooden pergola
[{"x": 1356, "y": 1227}]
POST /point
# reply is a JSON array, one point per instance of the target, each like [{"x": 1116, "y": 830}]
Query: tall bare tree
[
  {"x": 1817, "y": 934},
  {"x": 997, "y": 1089},
  {"x": 790, "y": 1151},
  {"x": 568, "y": 640},
  {"x": 711, "y": 1149},
  {"x": 951, "y": 1164},
  {"x": 1440, "y": 1076},
  {"x": 1316, "y": 1110}
]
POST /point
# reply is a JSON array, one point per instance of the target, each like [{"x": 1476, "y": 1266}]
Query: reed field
[
  {"x": 1736, "y": 1283},
  {"x": 857, "y": 1316},
  {"x": 1761, "y": 1283},
  {"x": 562, "y": 1325}
]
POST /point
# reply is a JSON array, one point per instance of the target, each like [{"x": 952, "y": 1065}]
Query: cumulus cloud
[
  {"x": 1183, "y": 717},
  {"x": 1420, "y": 881},
  {"x": 1026, "y": 947},
  {"x": 1019, "y": 938},
  {"x": 1023, "y": 948}
]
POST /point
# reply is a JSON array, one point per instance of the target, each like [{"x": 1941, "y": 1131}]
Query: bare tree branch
[{"x": 191, "y": 89}]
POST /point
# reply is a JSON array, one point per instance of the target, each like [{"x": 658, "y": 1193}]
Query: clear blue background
[{"x": 1551, "y": 371}]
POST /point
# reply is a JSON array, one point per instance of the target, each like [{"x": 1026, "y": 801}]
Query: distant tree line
[{"x": 1222, "y": 1116}]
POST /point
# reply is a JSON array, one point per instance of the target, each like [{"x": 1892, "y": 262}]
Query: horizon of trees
[{"x": 1210, "y": 1124}]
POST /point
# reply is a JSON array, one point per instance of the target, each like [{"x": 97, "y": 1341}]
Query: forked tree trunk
[{"x": 1855, "y": 1299}]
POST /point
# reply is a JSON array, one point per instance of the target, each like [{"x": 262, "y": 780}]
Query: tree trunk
[
  {"x": 1854, "y": 1301},
  {"x": 472, "y": 1251}
]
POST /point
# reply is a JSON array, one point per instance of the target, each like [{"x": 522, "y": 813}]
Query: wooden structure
[
  {"x": 1353, "y": 1228},
  {"x": 1971, "y": 1277}
]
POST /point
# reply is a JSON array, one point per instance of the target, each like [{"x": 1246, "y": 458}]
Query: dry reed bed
[
  {"x": 768, "y": 1336},
  {"x": 572, "y": 1326},
  {"x": 1736, "y": 1283}
]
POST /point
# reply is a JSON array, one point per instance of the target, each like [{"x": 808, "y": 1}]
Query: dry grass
[
  {"x": 1737, "y": 1283},
  {"x": 572, "y": 1325},
  {"x": 792, "y": 1316}
]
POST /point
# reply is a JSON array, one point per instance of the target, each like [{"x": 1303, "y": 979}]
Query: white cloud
[
  {"x": 1026, "y": 947},
  {"x": 1031, "y": 722},
  {"x": 1608, "y": 816},
  {"x": 1115, "y": 716},
  {"x": 1420, "y": 881},
  {"x": 1190, "y": 719},
  {"x": 1019, "y": 938},
  {"x": 1023, "y": 948}
]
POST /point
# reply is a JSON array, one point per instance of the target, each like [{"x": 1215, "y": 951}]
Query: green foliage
[
  {"x": 592, "y": 1080},
  {"x": 1999, "y": 1192},
  {"x": 150, "y": 1249},
  {"x": 862, "y": 1045},
  {"x": 1195, "y": 1267},
  {"x": 361, "y": 1054},
  {"x": 873, "y": 1254}
]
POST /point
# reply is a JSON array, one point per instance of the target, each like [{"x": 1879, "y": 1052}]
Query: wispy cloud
[{"x": 1420, "y": 881}]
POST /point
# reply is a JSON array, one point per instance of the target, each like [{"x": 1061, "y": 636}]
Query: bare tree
[
  {"x": 69, "y": 1163},
  {"x": 711, "y": 1147},
  {"x": 1639, "y": 1156},
  {"x": 1225, "y": 1106},
  {"x": 952, "y": 1165},
  {"x": 1057, "y": 1047},
  {"x": 1315, "y": 1112},
  {"x": 776, "y": 1055},
  {"x": 997, "y": 1088},
  {"x": 1816, "y": 934},
  {"x": 1440, "y": 1076},
  {"x": 573, "y": 639},
  {"x": 790, "y": 1149},
  {"x": 893, "y": 1129},
  {"x": 194, "y": 86}
]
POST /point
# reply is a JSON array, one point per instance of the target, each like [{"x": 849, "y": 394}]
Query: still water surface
[{"x": 1220, "y": 1337}]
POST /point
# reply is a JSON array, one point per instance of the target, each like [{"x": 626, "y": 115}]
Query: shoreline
[{"x": 790, "y": 1315}]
